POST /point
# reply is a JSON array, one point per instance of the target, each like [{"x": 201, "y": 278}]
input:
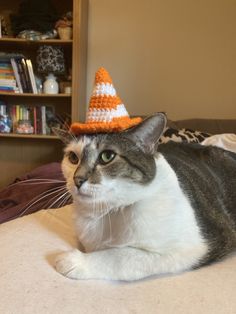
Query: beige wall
[{"x": 177, "y": 56}]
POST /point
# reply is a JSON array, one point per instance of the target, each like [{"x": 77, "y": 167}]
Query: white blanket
[
  {"x": 226, "y": 141},
  {"x": 29, "y": 283}
]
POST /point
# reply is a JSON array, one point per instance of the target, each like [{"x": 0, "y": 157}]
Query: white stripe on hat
[{"x": 104, "y": 89}]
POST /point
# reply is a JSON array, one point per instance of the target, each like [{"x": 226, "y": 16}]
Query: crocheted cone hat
[{"x": 106, "y": 112}]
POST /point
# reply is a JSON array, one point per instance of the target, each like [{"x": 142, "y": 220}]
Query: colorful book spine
[
  {"x": 6, "y": 82},
  {"x": 34, "y": 119},
  {"x": 7, "y": 79},
  {"x": 38, "y": 120},
  {"x": 43, "y": 120},
  {"x": 22, "y": 75},
  {"x": 7, "y": 89},
  {"x": 16, "y": 73}
]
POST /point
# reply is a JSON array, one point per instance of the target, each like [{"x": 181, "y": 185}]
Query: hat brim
[{"x": 116, "y": 125}]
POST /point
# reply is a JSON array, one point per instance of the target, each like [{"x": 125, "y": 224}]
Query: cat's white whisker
[
  {"x": 39, "y": 198},
  {"x": 66, "y": 199},
  {"x": 38, "y": 181},
  {"x": 59, "y": 198},
  {"x": 42, "y": 182}
]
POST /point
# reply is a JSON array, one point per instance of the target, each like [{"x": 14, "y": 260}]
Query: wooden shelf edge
[
  {"x": 27, "y": 41},
  {"x": 29, "y": 136},
  {"x": 33, "y": 95}
]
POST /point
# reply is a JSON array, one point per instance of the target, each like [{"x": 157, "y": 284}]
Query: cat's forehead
[
  {"x": 79, "y": 145},
  {"x": 99, "y": 142}
]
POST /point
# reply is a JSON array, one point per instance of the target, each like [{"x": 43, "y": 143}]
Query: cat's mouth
[{"x": 86, "y": 194}]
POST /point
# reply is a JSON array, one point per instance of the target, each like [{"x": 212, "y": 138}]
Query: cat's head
[{"x": 113, "y": 168}]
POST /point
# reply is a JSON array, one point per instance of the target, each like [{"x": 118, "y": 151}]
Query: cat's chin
[
  {"x": 99, "y": 202},
  {"x": 100, "y": 198},
  {"x": 80, "y": 196},
  {"x": 83, "y": 197}
]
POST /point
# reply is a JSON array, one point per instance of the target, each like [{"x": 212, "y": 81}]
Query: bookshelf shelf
[
  {"x": 35, "y": 95},
  {"x": 29, "y": 136},
  {"x": 14, "y": 40}
]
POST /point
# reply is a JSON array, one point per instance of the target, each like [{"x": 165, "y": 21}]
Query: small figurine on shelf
[
  {"x": 5, "y": 119},
  {"x": 3, "y": 27},
  {"x": 5, "y": 124},
  {"x": 64, "y": 26},
  {"x": 24, "y": 127},
  {"x": 65, "y": 86}
]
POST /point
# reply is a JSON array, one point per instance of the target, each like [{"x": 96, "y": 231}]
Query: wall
[{"x": 167, "y": 55}]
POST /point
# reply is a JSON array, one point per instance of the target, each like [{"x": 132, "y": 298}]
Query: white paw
[{"x": 71, "y": 264}]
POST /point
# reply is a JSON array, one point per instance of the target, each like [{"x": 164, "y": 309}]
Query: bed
[{"x": 31, "y": 239}]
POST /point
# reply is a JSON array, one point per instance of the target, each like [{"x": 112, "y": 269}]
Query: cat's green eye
[
  {"x": 73, "y": 158},
  {"x": 106, "y": 156}
]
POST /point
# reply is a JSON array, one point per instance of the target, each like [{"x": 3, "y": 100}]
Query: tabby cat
[{"x": 145, "y": 209}]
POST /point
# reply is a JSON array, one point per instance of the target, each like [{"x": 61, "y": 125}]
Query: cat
[{"x": 144, "y": 209}]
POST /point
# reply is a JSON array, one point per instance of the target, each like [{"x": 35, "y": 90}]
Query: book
[
  {"x": 8, "y": 82},
  {"x": 26, "y": 73},
  {"x": 43, "y": 120},
  {"x": 31, "y": 76},
  {"x": 6, "y": 71},
  {"x": 34, "y": 119},
  {"x": 13, "y": 117},
  {"x": 17, "y": 76},
  {"x": 7, "y": 76},
  {"x": 7, "y": 89},
  {"x": 5, "y": 65},
  {"x": 38, "y": 120},
  {"x": 22, "y": 75},
  {"x": 3, "y": 110}
]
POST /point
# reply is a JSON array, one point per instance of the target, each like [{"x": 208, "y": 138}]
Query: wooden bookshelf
[{"x": 22, "y": 152}]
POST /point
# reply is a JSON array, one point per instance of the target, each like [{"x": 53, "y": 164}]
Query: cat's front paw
[{"x": 71, "y": 264}]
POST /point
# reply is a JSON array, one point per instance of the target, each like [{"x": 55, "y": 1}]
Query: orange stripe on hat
[
  {"x": 117, "y": 125},
  {"x": 106, "y": 111},
  {"x": 104, "y": 101}
]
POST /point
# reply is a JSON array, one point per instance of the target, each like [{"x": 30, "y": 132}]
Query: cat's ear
[
  {"x": 148, "y": 132},
  {"x": 65, "y": 136}
]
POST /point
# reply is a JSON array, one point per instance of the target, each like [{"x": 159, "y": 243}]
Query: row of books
[
  {"x": 7, "y": 77},
  {"x": 30, "y": 119},
  {"x": 17, "y": 74}
]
